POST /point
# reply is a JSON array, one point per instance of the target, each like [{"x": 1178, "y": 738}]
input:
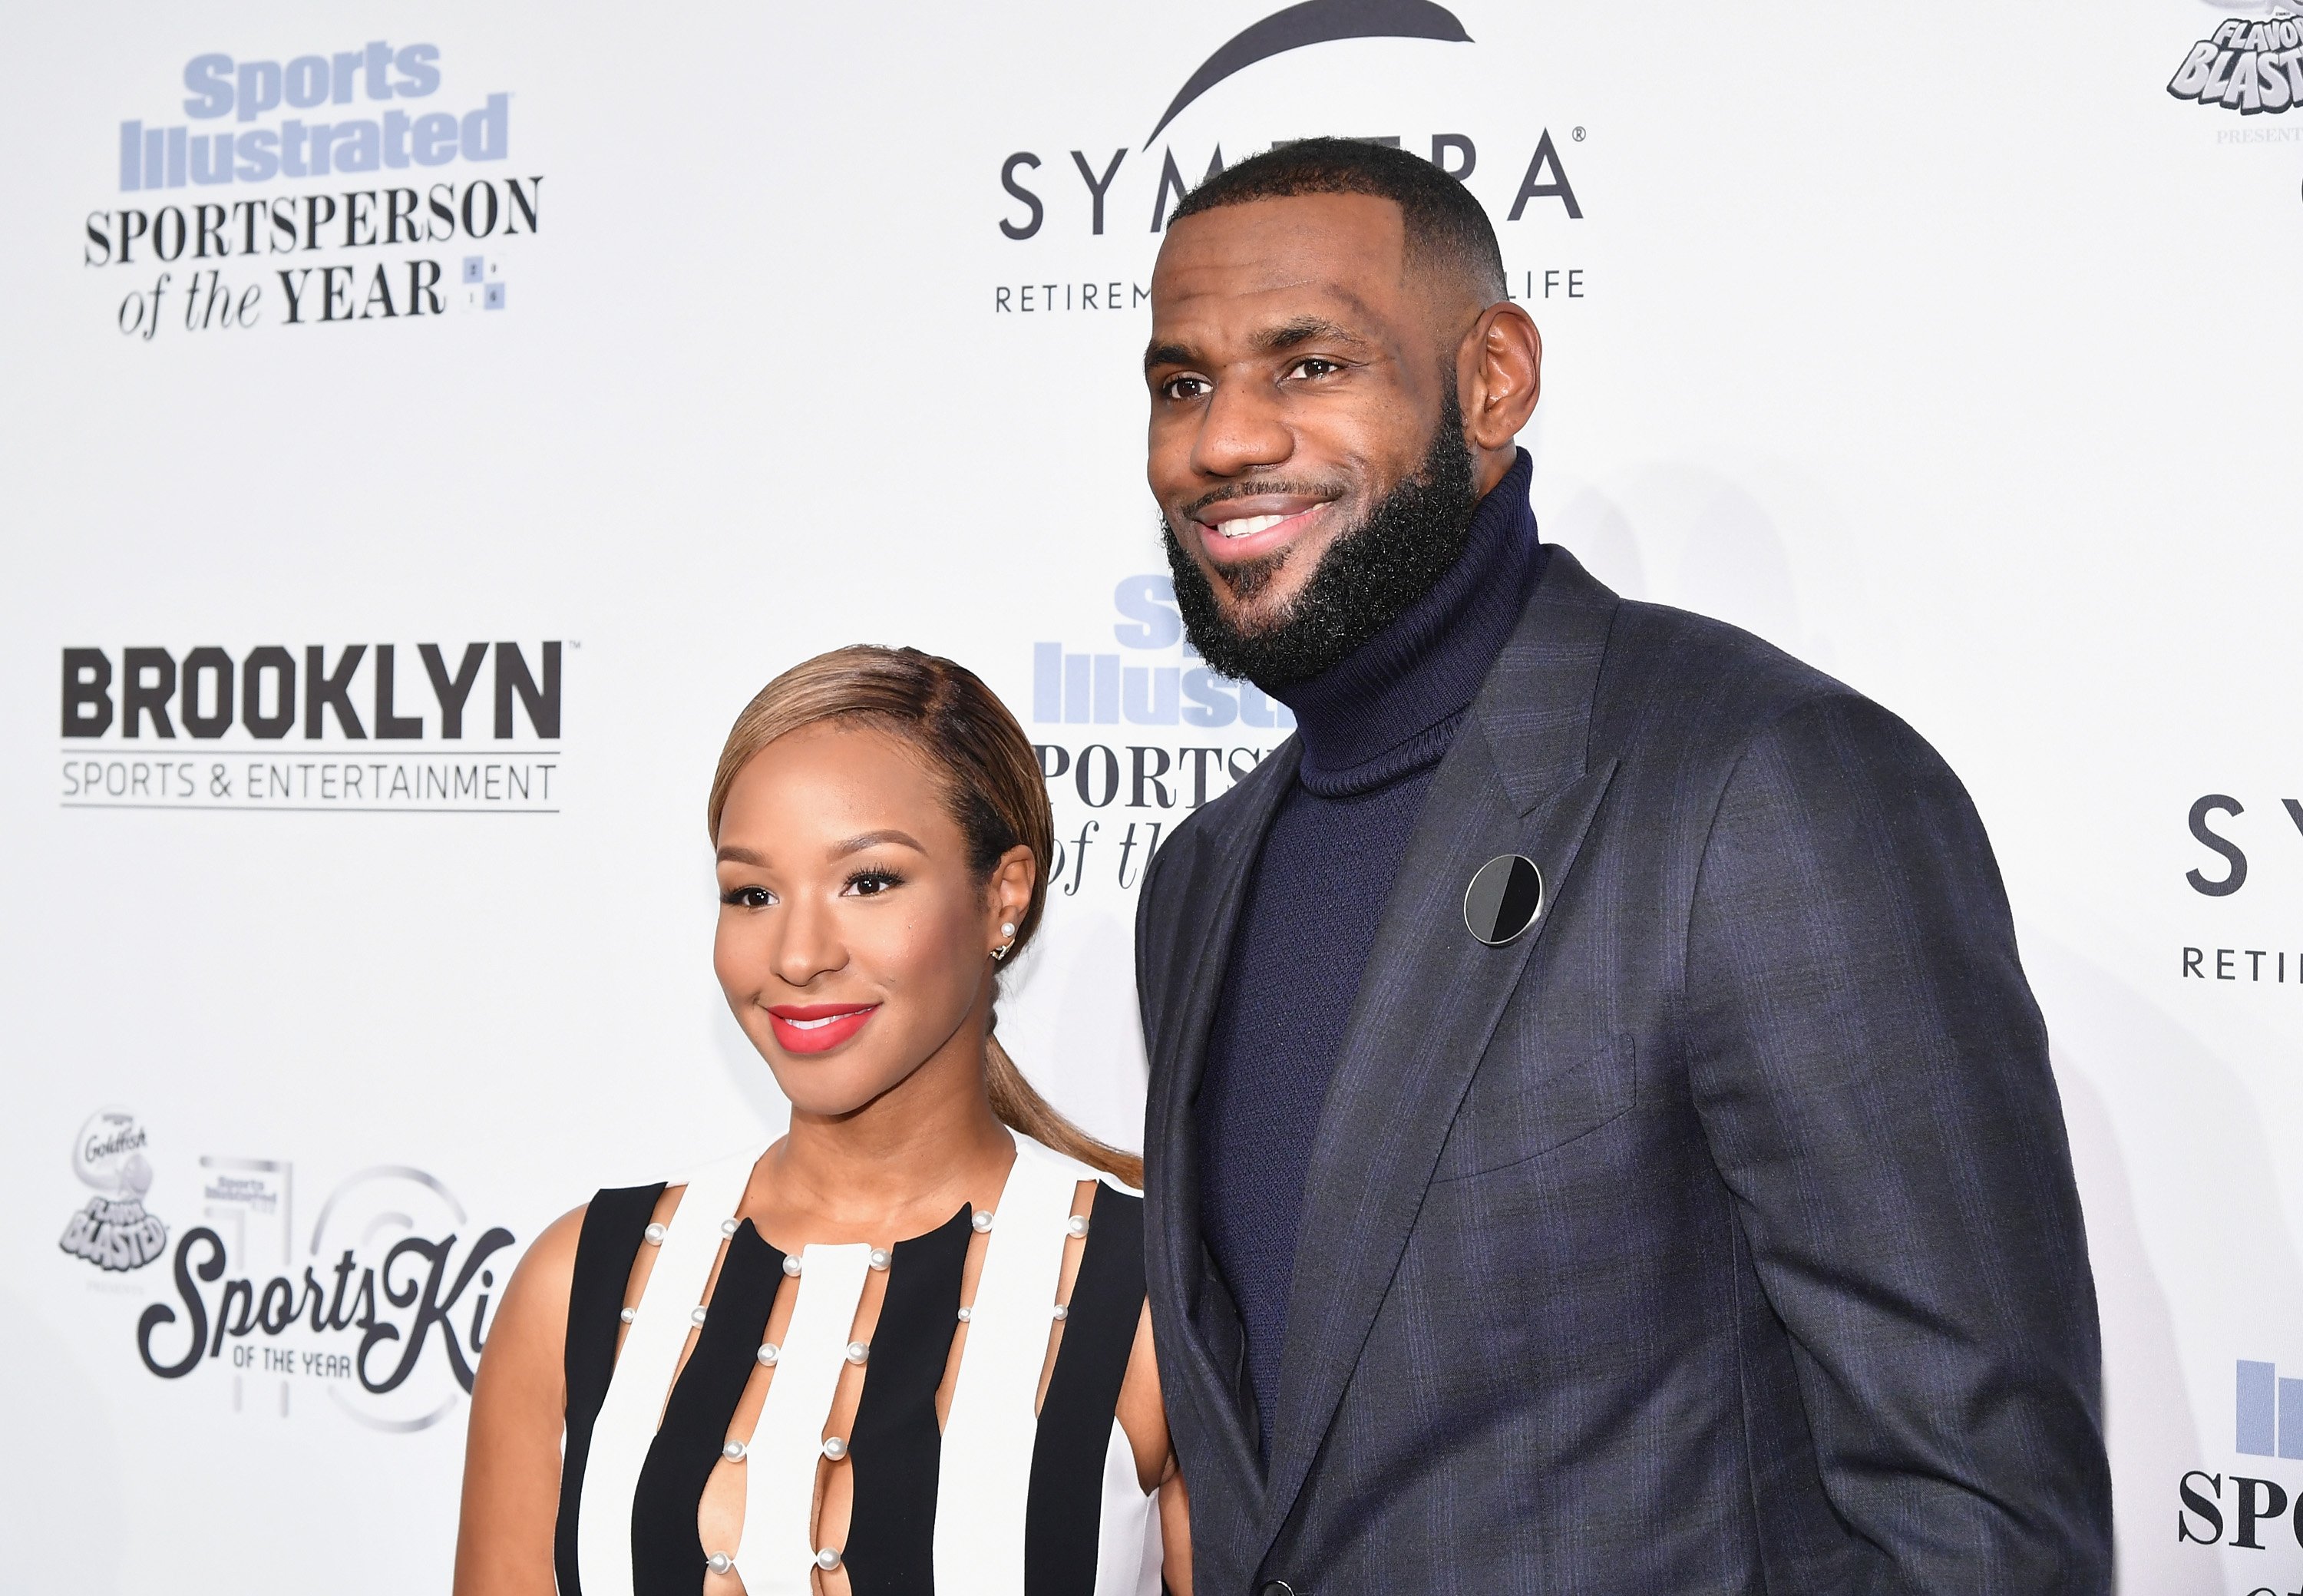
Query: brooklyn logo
[
  {"x": 113, "y": 1231},
  {"x": 2244, "y": 66}
]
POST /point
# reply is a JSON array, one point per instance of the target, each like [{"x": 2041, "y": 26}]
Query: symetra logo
[
  {"x": 1180, "y": 735},
  {"x": 288, "y": 730},
  {"x": 2245, "y": 66},
  {"x": 2235, "y": 837},
  {"x": 1315, "y": 22},
  {"x": 1038, "y": 204},
  {"x": 343, "y": 114}
]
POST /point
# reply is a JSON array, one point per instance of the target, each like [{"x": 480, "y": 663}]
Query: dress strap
[
  {"x": 777, "y": 1554},
  {"x": 981, "y": 1502},
  {"x": 633, "y": 1404}
]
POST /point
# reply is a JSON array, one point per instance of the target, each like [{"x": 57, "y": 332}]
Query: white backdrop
[{"x": 1951, "y": 351}]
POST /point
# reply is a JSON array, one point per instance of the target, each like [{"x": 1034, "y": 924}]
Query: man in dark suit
[{"x": 1679, "y": 1202}]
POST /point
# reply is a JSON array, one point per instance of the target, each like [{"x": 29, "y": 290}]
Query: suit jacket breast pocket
[{"x": 1539, "y": 1087}]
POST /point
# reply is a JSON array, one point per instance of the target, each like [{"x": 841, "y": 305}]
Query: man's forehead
[{"x": 1235, "y": 269}]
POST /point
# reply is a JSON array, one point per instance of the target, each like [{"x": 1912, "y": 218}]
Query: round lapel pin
[{"x": 1504, "y": 898}]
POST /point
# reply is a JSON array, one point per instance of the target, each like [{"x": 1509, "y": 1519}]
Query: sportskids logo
[
  {"x": 113, "y": 1231},
  {"x": 2245, "y": 66}
]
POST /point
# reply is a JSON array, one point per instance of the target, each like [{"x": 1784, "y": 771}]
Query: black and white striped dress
[{"x": 999, "y": 1501}]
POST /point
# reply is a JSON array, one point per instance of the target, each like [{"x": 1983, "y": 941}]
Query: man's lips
[
  {"x": 1240, "y": 529},
  {"x": 817, "y": 1027}
]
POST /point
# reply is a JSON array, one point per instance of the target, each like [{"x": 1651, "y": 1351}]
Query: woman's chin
[{"x": 822, "y": 1089}]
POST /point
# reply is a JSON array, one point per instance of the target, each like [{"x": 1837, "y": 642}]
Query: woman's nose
[{"x": 810, "y": 945}]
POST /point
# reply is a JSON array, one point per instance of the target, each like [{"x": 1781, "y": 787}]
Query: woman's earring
[{"x": 1008, "y": 931}]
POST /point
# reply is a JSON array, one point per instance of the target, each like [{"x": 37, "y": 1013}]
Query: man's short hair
[{"x": 1445, "y": 226}]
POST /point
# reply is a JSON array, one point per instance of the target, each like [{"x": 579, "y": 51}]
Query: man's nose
[{"x": 1241, "y": 431}]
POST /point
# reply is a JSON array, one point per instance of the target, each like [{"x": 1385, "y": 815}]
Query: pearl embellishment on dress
[
  {"x": 654, "y": 1233},
  {"x": 982, "y": 1221},
  {"x": 769, "y": 1353}
]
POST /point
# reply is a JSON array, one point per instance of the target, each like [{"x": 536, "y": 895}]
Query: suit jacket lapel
[
  {"x": 1178, "y": 1057},
  {"x": 1515, "y": 780}
]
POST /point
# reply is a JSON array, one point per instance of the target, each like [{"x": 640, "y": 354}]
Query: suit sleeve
[{"x": 1873, "y": 1078}]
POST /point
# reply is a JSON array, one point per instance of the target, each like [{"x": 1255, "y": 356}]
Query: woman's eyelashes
[{"x": 871, "y": 881}]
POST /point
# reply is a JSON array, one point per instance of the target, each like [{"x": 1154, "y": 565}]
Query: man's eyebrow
[
  {"x": 1302, "y": 330},
  {"x": 1167, "y": 354}
]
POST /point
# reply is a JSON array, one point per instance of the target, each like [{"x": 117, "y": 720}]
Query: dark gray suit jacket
[{"x": 1719, "y": 1233}]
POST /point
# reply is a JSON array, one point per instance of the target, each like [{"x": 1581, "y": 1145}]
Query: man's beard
[{"x": 1366, "y": 580}]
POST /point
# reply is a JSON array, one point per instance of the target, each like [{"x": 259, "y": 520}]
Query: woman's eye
[
  {"x": 748, "y": 897},
  {"x": 871, "y": 884}
]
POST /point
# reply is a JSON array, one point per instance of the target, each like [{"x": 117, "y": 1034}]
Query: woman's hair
[{"x": 990, "y": 779}]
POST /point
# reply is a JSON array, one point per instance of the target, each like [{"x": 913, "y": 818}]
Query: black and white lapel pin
[{"x": 1504, "y": 898}]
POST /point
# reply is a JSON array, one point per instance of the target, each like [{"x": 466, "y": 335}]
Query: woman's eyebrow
[
  {"x": 742, "y": 855},
  {"x": 857, "y": 844}
]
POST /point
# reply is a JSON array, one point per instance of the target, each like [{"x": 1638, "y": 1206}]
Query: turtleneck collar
[{"x": 1391, "y": 705}]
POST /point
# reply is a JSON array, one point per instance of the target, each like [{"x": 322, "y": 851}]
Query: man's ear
[{"x": 1501, "y": 375}]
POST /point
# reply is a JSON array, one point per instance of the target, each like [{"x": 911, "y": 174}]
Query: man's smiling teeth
[{"x": 1247, "y": 526}]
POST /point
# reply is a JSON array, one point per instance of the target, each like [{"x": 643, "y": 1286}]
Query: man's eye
[
  {"x": 1183, "y": 387},
  {"x": 748, "y": 897},
  {"x": 1314, "y": 367}
]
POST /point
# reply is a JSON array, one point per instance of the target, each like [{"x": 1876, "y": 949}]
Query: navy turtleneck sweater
[{"x": 1373, "y": 729}]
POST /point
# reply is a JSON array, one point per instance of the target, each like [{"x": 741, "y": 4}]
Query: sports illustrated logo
[
  {"x": 113, "y": 1231},
  {"x": 2270, "y": 1424},
  {"x": 401, "y": 247},
  {"x": 290, "y": 729},
  {"x": 1137, "y": 774},
  {"x": 2245, "y": 66},
  {"x": 1125, "y": 182},
  {"x": 384, "y": 1306}
]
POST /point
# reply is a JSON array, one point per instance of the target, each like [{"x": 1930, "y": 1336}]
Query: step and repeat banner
[{"x": 424, "y": 427}]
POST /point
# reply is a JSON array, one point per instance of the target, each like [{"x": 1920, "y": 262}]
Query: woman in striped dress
[{"x": 905, "y": 1348}]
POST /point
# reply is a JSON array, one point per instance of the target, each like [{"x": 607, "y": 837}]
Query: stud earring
[{"x": 1007, "y": 930}]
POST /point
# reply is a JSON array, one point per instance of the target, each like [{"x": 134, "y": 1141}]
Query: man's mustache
[{"x": 1252, "y": 490}]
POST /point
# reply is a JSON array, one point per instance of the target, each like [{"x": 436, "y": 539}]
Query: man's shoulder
[
  {"x": 1705, "y": 690},
  {"x": 1208, "y": 830}
]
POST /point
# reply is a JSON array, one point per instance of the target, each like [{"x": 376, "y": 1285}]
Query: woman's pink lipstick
[{"x": 818, "y": 1028}]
